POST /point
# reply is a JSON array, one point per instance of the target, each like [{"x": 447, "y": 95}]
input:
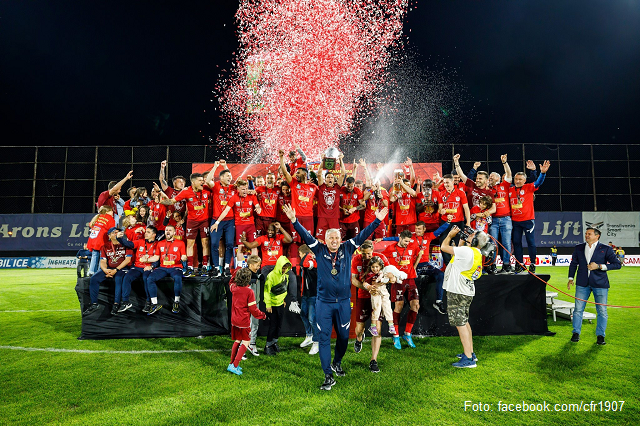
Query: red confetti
[{"x": 304, "y": 71}]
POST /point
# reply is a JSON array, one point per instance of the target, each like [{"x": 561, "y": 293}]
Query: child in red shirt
[
  {"x": 481, "y": 215},
  {"x": 242, "y": 307}
]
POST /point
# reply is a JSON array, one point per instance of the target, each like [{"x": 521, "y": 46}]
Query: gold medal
[{"x": 334, "y": 271}]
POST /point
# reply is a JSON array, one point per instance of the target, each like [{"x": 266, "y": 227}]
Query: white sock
[
  {"x": 437, "y": 301},
  {"x": 220, "y": 260},
  {"x": 154, "y": 300},
  {"x": 176, "y": 299}
]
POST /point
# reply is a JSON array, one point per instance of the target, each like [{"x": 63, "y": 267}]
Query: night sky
[{"x": 142, "y": 73}]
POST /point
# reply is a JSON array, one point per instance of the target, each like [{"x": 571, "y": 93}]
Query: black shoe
[
  {"x": 491, "y": 269},
  {"x": 276, "y": 347},
  {"x": 532, "y": 268},
  {"x": 213, "y": 271},
  {"x": 357, "y": 346},
  {"x": 189, "y": 272},
  {"x": 91, "y": 309},
  {"x": 154, "y": 309},
  {"x": 506, "y": 269},
  {"x": 328, "y": 382},
  {"x": 600, "y": 340},
  {"x": 337, "y": 368},
  {"x": 270, "y": 350},
  {"x": 576, "y": 337},
  {"x": 124, "y": 306},
  {"x": 373, "y": 366},
  {"x": 518, "y": 269},
  {"x": 147, "y": 307},
  {"x": 176, "y": 307},
  {"x": 440, "y": 307},
  {"x": 227, "y": 272},
  {"x": 114, "y": 309}
]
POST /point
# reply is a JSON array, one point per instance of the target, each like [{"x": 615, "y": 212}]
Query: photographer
[{"x": 459, "y": 277}]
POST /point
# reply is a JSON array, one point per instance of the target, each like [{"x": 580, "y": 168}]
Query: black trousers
[{"x": 275, "y": 322}]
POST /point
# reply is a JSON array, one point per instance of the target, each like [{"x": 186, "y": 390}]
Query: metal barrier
[{"x": 68, "y": 179}]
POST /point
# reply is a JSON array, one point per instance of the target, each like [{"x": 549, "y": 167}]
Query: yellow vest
[{"x": 475, "y": 271}]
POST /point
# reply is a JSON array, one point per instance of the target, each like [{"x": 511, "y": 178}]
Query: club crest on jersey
[
  {"x": 222, "y": 191},
  {"x": 161, "y": 248},
  {"x": 176, "y": 249},
  {"x": 355, "y": 196},
  {"x": 238, "y": 203},
  {"x": 457, "y": 198},
  {"x": 329, "y": 198},
  {"x": 204, "y": 195},
  {"x": 190, "y": 199},
  {"x": 410, "y": 251},
  {"x": 298, "y": 186},
  {"x": 522, "y": 191}
]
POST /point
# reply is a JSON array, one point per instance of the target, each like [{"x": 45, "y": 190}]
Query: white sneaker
[
  {"x": 306, "y": 342},
  {"x": 253, "y": 350},
  {"x": 315, "y": 348}
]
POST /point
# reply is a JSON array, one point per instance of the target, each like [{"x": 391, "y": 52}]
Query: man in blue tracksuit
[{"x": 333, "y": 303}]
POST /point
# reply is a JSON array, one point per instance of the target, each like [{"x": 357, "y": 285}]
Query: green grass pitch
[{"x": 39, "y": 309}]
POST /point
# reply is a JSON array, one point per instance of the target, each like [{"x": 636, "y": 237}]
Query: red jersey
[
  {"x": 403, "y": 258},
  {"x": 501, "y": 198},
  {"x": 220, "y": 196},
  {"x": 479, "y": 223},
  {"x": 374, "y": 204},
  {"x": 157, "y": 213},
  {"x": 98, "y": 234},
  {"x": 282, "y": 201},
  {"x": 474, "y": 193},
  {"x": 268, "y": 199},
  {"x": 243, "y": 208},
  {"x": 430, "y": 213},
  {"x": 453, "y": 203},
  {"x": 296, "y": 165},
  {"x": 359, "y": 267},
  {"x": 270, "y": 249},
  {"x": 197, "y": 203},
  {"x": 405, "y": 209},
  {"x": 349, "y": 200},
  {"x": 179, "y": 229},
  {"x": 142, "y": 247},
  {"x": 170, "y": 253},
  {"x": 104, "y": 199},
  {"x": 114, "y": 254},
  {"x": 521, "y": 200},
  {"x": 328, "y": 201},
  {"x": 131, "y": 233},
  {"x": 423, "y": 243},
  {"x": 302, "y": 195},
  {"x": 243, "y": 305},
  {"x": 179, "y": 206}
]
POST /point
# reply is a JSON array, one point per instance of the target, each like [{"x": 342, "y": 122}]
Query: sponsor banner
[
  {"x": 43, "y": 231},
  {"x": 52, "y": 262},
  {"x": 565, "y": 260},
  {"x": 562, "y": 229},
  {"x": 14, "y": 262},
  {"x": 243, "y": 170},
  {"x": 620, "y": 228}
]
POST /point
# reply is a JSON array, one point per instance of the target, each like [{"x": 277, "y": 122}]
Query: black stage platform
[{"x": 503, "y": 305}]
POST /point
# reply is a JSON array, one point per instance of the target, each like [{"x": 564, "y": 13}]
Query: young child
[
  {"x": 480, "y": 218},
  {"x": 244, "y": 305},
  {"x": 275, "y": 291},
  {"x": 376, "y": 277},
  {"x": 309, "y": 294}
]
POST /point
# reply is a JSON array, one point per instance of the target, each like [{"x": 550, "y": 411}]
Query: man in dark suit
[{"x": 592, "y": 260}]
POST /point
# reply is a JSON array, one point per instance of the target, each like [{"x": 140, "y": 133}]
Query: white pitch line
[
  {"x": 41, "y": 310},
  {"x": 87, "y": 351}
]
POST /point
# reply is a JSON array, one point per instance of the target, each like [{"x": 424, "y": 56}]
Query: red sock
[
  {"x": 396, "y": 322},
  {"x": 239, "y": 356},
  {"x": 411, "y": 319},
  {"x": 190, "y": 261},
  {"x": 234, "y": 351},
  {"x": 205, "y": 260}
]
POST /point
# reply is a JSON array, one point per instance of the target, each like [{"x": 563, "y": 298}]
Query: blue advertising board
[
  {"x": 562, "y": 229},
  {"x": 20, "y": 232}
]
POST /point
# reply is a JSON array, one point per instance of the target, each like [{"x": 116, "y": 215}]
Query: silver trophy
[{"x": 331, "y": 159}]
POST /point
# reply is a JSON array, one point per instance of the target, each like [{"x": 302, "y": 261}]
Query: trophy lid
[{"x": 332, "y": 152}]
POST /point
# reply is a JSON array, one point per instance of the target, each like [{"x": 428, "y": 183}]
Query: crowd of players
[{"x": 154, "y": 233}]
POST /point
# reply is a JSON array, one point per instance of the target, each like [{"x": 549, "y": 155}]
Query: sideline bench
[{"x": 563, "y": 308}]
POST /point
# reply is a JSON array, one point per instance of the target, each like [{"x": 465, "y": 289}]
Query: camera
[{"x": 486, "y": 250}]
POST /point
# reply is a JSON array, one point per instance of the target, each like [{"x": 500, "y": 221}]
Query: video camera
[{"x": 487, "y": 250}]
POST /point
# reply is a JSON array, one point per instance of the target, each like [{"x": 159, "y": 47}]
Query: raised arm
[
  {"x": 343, "y": 171},
  {"x": 209, "y": 180},
  {"x": 366, "y": 232},
  {"x": 163, "y": 175},
  {"x": 467, "y": 214},
  {"x": 283, "y": 167},
  {"x": 302, "y": 156},
  {"x": 288, "y": 239},
  {"x": 543, "y": 173},
  {"x": 412, "y": 172},
  {"x": 113, "y": 191},
  {"x": 308, "y": 239},
  {"x": 456, "y": 163},
  {"x": 507, "y": 169},
  {"x": 446, "y": 246},
  {"x": 367, "y": 175}
]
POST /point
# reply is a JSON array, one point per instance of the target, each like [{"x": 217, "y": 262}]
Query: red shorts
[
  {"x": 262, "y": 225},
  {"x": 324, "y": 224},
  {"x": 407, "y": 286},
  {"x": 249, "y": 230},
  {"x": 411, "y": 227},
  {"x": 197, "y": 228},
  {"x": 238, "y": 333},
  {"x": 363, "y": 310},
  {"x": 307, "y": 222},
  {"x": 380, "y": 231},
  {"x": 349, "y": 230}
]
